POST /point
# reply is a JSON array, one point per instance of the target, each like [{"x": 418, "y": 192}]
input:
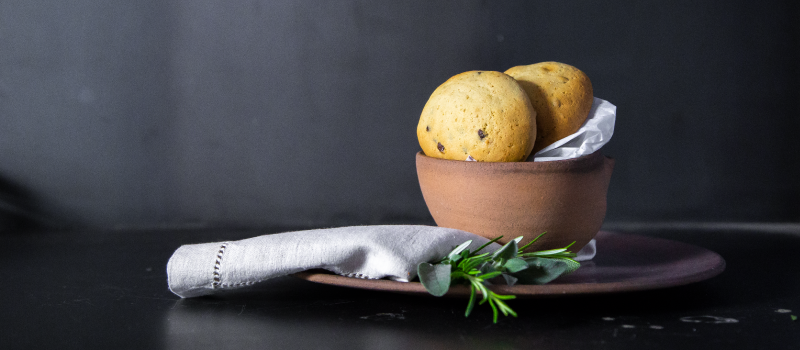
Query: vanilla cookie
[
  {"x": 482, "y": 114},
  {"x": 561, "y": 95}
]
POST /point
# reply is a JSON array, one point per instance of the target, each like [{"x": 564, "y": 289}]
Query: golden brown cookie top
[
  {"x": 483, "y": 114},
  {"x": 561, "y": 95}
]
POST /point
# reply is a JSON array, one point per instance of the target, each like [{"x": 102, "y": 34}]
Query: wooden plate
[{"x": 624, "y": 262}]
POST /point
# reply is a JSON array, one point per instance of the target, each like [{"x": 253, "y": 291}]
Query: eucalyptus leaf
[
  {"x": 435, "y": 278},
  {"x": 508, "y": 251},
  {"x": 572, "y": 265},
  {"x": 487, "y": 267},
  {"x": 510, "y": 280},
  {"x": 461, "y": 265},
  {"x": 541, "y": 270},
  {"x": 515, "y": 265}
]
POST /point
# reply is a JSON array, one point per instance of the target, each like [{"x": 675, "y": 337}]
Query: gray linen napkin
[{"x": 371, "y": 252}]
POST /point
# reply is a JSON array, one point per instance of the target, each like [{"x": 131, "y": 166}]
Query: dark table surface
[{"x": 108, "y": 290}]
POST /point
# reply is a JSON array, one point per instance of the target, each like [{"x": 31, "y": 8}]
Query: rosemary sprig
[{"x": 508, "y": 262}]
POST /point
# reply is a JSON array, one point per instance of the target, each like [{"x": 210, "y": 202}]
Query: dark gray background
[{"x": 142, "y": 114}]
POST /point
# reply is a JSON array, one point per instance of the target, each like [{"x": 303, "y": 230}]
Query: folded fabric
[{"x": 371, "y": 252}]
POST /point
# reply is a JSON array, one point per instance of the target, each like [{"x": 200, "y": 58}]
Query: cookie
[
  {"x": 485, "y": 115},
  {"x": 561, "y": 95}
]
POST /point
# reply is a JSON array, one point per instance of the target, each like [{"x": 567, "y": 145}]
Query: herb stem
[{"x": 509, "y": 261}]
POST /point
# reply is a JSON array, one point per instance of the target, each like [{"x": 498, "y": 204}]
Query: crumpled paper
[{"x": 595, "y": 132}]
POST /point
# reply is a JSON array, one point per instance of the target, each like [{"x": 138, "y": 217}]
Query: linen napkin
[{"x": 370, "y": 252}]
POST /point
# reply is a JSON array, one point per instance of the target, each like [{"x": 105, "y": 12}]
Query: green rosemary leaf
[
  {"x": 548, "y": 252},
  {"x": 471, "y": 303},
  {"x": 490, "y": 275},
  {"x": 455, "y": 255},
  {"x": 461, "y": 265},
  {"x": 487, "y": 244},
  {"x": 505, "y": 297},
  {"x": 531, "y": 242},
  {"x": 494, "y": 310}
]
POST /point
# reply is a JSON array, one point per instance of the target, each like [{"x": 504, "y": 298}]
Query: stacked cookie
[{"x": 503, "y": 117}]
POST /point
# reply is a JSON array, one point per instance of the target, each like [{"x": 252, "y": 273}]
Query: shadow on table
[
  {"x": 291, "y": 313},
  {"x": 294, "y": 313}
]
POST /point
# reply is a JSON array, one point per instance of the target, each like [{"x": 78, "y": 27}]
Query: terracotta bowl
[{"x": 565, "y": 198}]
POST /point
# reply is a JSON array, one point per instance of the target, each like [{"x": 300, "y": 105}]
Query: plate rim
[{"x": 527, "y": 291}]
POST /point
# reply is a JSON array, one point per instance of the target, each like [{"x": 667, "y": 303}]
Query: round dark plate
[{"x": 624, "y": 262}]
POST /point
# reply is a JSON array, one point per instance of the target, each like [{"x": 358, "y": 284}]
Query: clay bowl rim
[{"x": 581, "y": 162}]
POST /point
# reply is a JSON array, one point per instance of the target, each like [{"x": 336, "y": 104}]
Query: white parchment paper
[{"x": 595, "y": 132}]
